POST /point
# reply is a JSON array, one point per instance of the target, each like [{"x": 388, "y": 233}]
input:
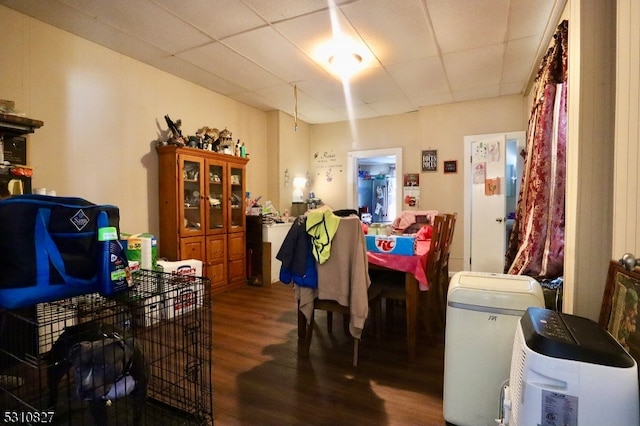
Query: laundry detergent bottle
[{"x": 114, "y": 273}]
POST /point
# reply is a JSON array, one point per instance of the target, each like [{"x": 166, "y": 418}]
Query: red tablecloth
[{"x": 416, "y": 264}]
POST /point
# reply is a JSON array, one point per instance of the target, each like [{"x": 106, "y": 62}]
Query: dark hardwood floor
[{"x": 259, "y": 378}]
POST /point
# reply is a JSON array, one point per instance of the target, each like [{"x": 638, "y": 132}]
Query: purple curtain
[{"x": 536, "y": 244}]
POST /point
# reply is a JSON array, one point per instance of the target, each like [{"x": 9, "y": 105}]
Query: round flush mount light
[
  {"x": 345, "y": 59},
  {"x": 342, "y": 56},
  {"x": 345, "y": 63}
]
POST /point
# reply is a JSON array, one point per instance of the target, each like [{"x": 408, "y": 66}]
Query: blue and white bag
[{"x": 49, "y": 248}]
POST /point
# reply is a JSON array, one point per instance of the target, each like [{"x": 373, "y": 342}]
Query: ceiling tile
[
  {"x": 474, "y": 68},
  {"x": 529, "y": 18},
  {"x": 324, "y": 116},
  {"x": 476, "y": 93},
  {"x": 329, "y": 92},
  {"x": 222, "y": 61},
  {"x": 432, "y": 99},
  {"x": 285, "y": 100},
  {"x": 261, "y": 46},
  {"x": 159, "y": 28},
  {"x": 394, "y": 31},
  {"x": 375, "y": 85},
  {"x": 518, "y": 57},
  {"x": 513, "y": 88},
  {"x": 421, "y": 77},
  {"x": 190, "y": 72},
  {"x": 217, "y": 18},
  {"x": 254, "y": 100},
  {"x": 275, "y": 11},
  {"x": 463, "y": 25},
  {"x": 356, "y": 112},
  {"x": 392, "y": 107}
]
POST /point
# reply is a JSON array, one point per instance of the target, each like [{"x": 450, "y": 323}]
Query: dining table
[{"x": 415, "y": 281}]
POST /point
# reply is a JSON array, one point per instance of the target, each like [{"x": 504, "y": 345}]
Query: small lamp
[{"x": 298, "y": 184}]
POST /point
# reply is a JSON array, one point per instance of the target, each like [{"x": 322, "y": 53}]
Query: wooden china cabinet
[{"x": 202, "y": 212}]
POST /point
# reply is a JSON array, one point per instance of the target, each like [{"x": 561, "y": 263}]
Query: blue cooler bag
[{"x": 49, "y": 248}]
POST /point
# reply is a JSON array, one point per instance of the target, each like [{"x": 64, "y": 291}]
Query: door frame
[
  {"x": 352, "y": 173},
  {"x": 518, "y": 135}
]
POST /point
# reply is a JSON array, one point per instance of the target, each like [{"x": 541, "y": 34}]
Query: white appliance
[
  {"x": 482, "y": 313},
  {"x": 567, "y": 370},
  {"x": 275, "y": 234}
]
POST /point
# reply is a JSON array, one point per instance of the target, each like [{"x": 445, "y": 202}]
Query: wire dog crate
[{"x": 167, "y": 316}]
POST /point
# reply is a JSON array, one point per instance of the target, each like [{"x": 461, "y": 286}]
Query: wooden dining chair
[
  {"x": 439, "y": 278},
  {"x": 331, "y": 307},
  {"x": 446, "y": 249},
  {"x": 345, "y": 276},
  {"x": 390, "y": 285}
]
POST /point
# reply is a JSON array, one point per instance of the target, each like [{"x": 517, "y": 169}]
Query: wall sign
[
  {"x": 451, "y": 166},
  {"x": 430, "y": 160}
]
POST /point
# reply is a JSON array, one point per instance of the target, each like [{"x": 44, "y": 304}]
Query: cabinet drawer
[{"x": 236, "y": 245}]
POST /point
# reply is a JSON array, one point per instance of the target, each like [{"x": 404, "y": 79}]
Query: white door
[{"x": 487, "y": 188}]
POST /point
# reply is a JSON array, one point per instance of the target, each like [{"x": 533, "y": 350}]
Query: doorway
[
  {"x": 384, "y": 168},
  {"x": 492, "y": 178}
]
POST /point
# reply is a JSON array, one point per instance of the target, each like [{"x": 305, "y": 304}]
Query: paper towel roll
[{"x": 146, "y": 258}]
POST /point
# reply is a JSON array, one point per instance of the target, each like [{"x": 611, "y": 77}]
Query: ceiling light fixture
[{"x": 345, "y": 63}]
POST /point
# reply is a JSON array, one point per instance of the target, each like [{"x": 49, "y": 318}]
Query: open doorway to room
[{"x": 373, "y": 181}]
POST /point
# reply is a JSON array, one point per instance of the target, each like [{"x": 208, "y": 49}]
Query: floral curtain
[{"x": 536, "y": 244}]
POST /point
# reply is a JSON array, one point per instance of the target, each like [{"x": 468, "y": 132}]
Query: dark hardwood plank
[{"x": 259, "y": 378}]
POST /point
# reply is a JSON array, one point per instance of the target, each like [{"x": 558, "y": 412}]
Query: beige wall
[
  {"x": 330, "y": 143},
  {"x": 293, "y": 156},
  {"x": 440, "y": 127},
  {"x": 102, "y": 114}
]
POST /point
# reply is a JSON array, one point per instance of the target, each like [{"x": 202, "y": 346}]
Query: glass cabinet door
[
  {"x": 192, "y": 208},
  {"x": 236, "y": 197},
  {"x": 216, "y": 197}
]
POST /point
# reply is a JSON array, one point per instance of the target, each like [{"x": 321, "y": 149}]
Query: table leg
[{"x": 411, "y": 291}]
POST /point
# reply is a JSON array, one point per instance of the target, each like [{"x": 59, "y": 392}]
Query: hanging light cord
[{"x": 295, "y": 110}]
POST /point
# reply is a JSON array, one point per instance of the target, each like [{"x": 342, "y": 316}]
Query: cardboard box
[
  {"x": 392, "y": 244},
  {"x": 149, "y": 311},
  {"x": 192, "y": 267},
  {"x": 183, "y": 299}
]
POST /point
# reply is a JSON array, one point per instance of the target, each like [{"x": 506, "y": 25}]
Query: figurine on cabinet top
[{"x": 176, "y": 133}]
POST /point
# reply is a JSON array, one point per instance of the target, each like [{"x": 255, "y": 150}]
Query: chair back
[
  {"x": 435, "y": 250},
  {"x": 445, "y": 245}
]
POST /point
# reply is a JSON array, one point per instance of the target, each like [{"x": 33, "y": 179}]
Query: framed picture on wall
[
  {"x": 619, "y": 310},
  {"x": 430, "y": 160},
  {"x": 451, "y": 166}
]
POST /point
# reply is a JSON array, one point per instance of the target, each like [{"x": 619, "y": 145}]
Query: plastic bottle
[{"x": 114, "y": 271}]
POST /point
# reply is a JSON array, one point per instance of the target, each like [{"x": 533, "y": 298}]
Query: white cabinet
[{"x": 275, "y": 235}]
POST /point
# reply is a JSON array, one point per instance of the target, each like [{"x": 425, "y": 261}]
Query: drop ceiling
[{"x": 425, "y": 52}]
